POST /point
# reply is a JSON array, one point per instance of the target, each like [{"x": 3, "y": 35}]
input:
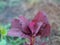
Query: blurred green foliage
[
  {"x": 13, "y": 3},
  {"x": 3, "y": 42},
  {"x": 8, "y": 3},
  {"x": 2, "y": 6},
  {"x": 56, "y": 1},
  {"x": 3, "y": 33},
  {"x": 7, "y": 40},
  {"x": 3, "y": 30},
  {"x": 16, "y": 41},
  {"x": 33, "y": 1}
]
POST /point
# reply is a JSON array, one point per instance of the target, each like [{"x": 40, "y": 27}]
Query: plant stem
[
  {"x": 32, "y": 40},
  {"x": 1, "y": 37}
]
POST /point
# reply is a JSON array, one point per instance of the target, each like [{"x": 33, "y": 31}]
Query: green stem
[{"x": 1, "y": 37}]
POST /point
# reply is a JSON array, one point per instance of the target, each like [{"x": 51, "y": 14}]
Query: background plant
[{"x": 3, "y": 33}]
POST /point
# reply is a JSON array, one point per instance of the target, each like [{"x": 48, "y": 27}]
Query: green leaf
[{"x": 3, "y": 31}]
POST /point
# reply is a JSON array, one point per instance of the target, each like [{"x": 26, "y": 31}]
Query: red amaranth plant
[{"x": 39, "y": 26}]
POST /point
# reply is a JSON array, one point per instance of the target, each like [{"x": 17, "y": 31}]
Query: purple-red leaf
[
  {"x": 15, "y": 23},
  {"x": 40, "y": 17},
  {"x": 39, "y": 20},
  {"x": 39, "y": 26},
  {"x": 16, "y": 33}
]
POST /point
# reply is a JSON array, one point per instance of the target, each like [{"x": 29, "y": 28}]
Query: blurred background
[{"x": 10, "y": 9}]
